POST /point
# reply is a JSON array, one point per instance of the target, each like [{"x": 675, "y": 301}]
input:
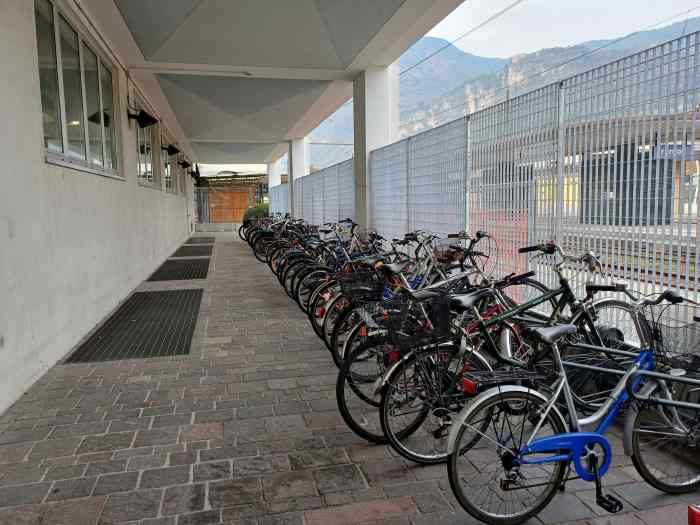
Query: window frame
[
  {"x": 153, "y": 132},
  {"x": 64, "y": 158},
  {"x": 165, "y": 140}
]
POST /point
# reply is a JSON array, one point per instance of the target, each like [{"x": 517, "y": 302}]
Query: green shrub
[{"x": 257, "y": 212}]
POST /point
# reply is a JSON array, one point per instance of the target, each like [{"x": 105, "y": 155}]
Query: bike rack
[
  {"x": 665, "y": 377},
  {"x": 603, "y": 349}
]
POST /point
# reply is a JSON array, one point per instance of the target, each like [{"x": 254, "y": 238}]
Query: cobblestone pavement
[{"x": 244, "y": 430}]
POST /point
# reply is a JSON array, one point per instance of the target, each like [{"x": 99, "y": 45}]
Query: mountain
[
  {"x": 444, "y": 68},
  {"x": 453, "y": 83}
]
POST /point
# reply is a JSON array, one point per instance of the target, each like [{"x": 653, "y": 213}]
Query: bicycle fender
[
  {"x": 646, "y": 390},
  {"x": 466, "y": 412},
  {"x": 382, "y": 381}
]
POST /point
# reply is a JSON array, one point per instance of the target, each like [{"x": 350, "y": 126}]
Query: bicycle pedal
[{"x": 609, "y": 503}]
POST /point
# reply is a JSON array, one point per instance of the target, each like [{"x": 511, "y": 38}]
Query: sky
[
  {"x": 208, "y": 170},
  {"x": 537, "y": 24}
]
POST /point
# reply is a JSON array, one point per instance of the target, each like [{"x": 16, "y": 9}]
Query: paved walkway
[{"x": 242, "y": 431}]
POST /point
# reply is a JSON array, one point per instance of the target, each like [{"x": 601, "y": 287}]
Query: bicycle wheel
[
  {"x": 260, "y": 247},
  {"x": 423, "y": 393},
  {"x": 349, "y": 321},
  {"x": 617, "y": 325},
  {"x": 664, "y": 446},
  {"x": 525, "y": 290},
  {"x": 292, "y": 272},
  {"x": 241, "y": 231},
  {"x": 335, "y": 308},
  {"x": 484, "y": 476},
  {"x": 319, "y": 304},
  {"x": 309, "y": 285},
  {"x": 354, "y": 392}
]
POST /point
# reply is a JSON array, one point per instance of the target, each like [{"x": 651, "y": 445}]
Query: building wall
[{"x": 72, "y": 244}]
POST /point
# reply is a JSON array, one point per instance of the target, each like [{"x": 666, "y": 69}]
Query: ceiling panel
[
  {"x": 269, "y": 33},
  {"x": 320, "y": 34},
  {"x": 152, "y": 23},
  {"x": 353, "y": 24},
  {"x": 233, "y": 153},
  {"x": 244, "y": 109}
]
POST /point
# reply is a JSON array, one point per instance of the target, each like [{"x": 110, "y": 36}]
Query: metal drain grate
[
  {"x": 200, "y": 240},
  {"x": 181, "y": 269},
  {"x": 148, "y": 324},
  {"x": 193, "y": 251}
]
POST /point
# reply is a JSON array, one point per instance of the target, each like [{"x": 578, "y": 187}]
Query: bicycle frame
[{"x": 574, "y": 446}]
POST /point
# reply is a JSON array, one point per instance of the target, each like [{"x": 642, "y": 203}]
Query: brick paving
[{"x": 241, "y": 431}]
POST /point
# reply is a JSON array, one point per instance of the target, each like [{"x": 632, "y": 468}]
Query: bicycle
[{"x": 512, "y": 447}]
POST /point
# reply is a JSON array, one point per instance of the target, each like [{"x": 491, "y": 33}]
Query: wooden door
[{"x": 227, "y": 206}]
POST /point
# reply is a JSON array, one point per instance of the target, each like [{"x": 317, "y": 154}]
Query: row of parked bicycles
[{"x": 511, "y": 383}]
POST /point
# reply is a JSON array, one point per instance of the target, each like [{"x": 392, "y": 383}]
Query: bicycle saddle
[
  {"x": 552, "y": 334},
  {"x": 462, "y": 303}
]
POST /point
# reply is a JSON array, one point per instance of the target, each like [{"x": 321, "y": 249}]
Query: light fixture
[
  {"x": 184, "y": 164},
  {"x": 172, "y": 150},
  {"x": 143, "y": 118}
]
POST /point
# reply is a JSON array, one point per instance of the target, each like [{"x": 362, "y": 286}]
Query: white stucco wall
[{"x": 72, "y": 244}]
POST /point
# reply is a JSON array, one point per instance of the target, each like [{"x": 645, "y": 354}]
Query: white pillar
[
  {"x": 274, "y": 173},
  {"x": 376, "y": 123},
  {"x": 297, "y": 168}
]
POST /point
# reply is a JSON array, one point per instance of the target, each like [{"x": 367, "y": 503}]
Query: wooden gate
[{"x": 227, "y": 206}]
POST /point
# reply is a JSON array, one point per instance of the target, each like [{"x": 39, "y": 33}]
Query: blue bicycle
[{"x": 516, "y": 444}]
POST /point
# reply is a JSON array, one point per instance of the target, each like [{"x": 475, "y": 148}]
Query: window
[
  {"x": 167, "y": 167},
  {"x": 48, "y": 77},
  {"x": 107, "y": 92},
  {"x": 144, "y": 153},
  {"x": 72, "y": 90},
  {"x": 77, "y": 95},
  {"x": 92, "y": 100}
]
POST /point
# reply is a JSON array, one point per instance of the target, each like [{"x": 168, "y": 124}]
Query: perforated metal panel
[
  {"x": 346, "y": 190},
  {"x": 389, "y": 189},
  {"x": 512, "y": 173},
  {"x": 298, "y": 198},
  {"x": 331, "y": 197},
  {"x": 307, "y": 196},
  {"x": 606, "y": 160},
  {"x": 279, "y": 199},
  {"x": 326, "y": 195},
  {"x": 437, "y": 191},
  {"x": 631, "y": 171},
  {"x": 317, "y": 186}
]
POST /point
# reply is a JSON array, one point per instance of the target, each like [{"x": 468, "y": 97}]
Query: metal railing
[
  {"x": 279, "y": 199},
  {"x": 606, "y": 160},
  {"x": 326, "y": 195}
]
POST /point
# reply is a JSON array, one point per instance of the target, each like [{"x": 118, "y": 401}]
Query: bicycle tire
[{"x": 456, "y": 478}]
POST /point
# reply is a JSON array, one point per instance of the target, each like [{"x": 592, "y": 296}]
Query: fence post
[
  {"x": 408, "y": 185},
  {"x": 465, "y": 182},
  {"x": 561, "y": 152}
]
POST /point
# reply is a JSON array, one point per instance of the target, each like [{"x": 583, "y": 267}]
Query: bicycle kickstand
[{"x": 607, "y": 502}]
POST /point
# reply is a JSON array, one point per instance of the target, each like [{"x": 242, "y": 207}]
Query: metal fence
[
  {"x": 279, "y": 199},
  {"x": 326, "y": 195},
  {"x": 606, "y": 160}
]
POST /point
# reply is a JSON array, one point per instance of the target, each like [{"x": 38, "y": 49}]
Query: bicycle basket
[
  {"x": 361, "y": 285},
  {"x": 415, "y": 322},
  {"x": 675, "y": 335}
]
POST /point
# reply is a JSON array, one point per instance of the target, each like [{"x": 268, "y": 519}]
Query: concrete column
[
  {"x": 376, "y": 124},
  {"x": 297, "y": 168},
  {"x": 274, "y": 173}
]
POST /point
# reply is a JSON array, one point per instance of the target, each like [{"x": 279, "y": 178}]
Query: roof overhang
[{"x": 237, "y": 72}]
